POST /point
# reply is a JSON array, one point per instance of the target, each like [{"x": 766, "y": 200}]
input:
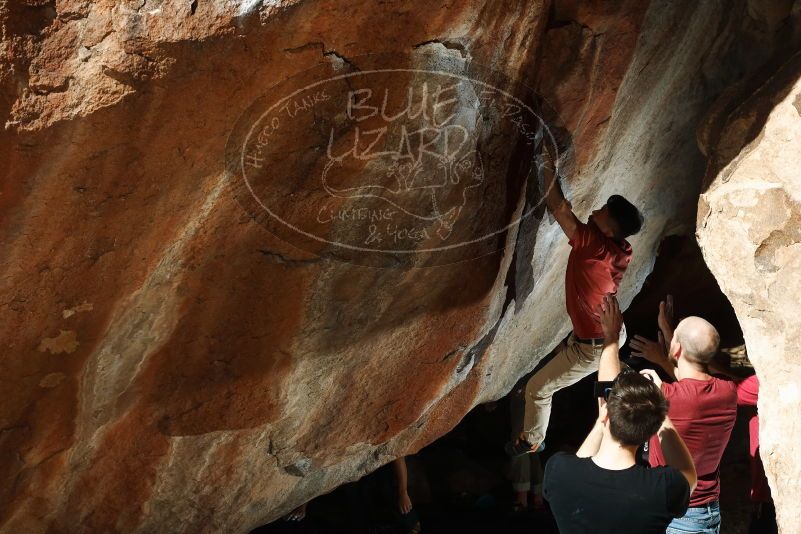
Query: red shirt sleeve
[
  {"x": 748, "y": 391},
  {"x": 667, "y": 389},
  {"x": 586, "y": 238}
]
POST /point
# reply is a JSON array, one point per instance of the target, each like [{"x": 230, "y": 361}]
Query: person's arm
[
  {"x": 611, "y": 321},
  {"x": 557, "y": 204},
  {"x": 676, "y": 453},
  {"x": 593, "y": 440},
  {"x": 666, "y": 321},
  {"x": 654, "y": 352},
  {"x": 748, "y": 391},
  {"x": 404, "y": 502},
  {"x": 673, "y": 448}
]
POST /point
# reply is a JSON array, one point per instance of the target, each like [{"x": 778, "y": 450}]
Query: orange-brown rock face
[{"x": 187, "y": 351}]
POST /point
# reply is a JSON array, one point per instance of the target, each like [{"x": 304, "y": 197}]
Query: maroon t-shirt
[
  {"x": 594, "y": 269},
  {"x": 703, "y": 412},
  {"x": 747, "y": 395}
]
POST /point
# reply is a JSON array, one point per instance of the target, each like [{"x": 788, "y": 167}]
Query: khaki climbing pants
[
  {"x": 572, "y": 362},
  {"x": 525, "y": 470}
]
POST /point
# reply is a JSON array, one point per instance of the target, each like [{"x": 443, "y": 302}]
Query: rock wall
[
  {"x": 749, "y": 227},
  {"x": 170, "y": 365}
]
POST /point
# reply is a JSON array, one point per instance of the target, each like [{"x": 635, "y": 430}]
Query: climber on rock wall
[{"x": 598, "y": 259}]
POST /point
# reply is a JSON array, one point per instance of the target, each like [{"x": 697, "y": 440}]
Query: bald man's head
[{"x": 699, "y": 340}]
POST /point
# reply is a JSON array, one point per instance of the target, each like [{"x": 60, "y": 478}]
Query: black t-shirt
[{"x": 587, "y": 498}]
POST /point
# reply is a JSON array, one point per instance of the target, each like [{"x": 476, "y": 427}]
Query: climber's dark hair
[
  {"x": 636, "y": 408},
  {"x": 628, "y": 218}
]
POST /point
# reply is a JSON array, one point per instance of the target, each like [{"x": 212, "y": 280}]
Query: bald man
[{"x": 703, "y": 409}]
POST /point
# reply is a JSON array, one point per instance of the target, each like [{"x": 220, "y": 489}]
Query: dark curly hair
[
  {"x": 628, "y": 218},
  {"x": 636, "y": 408}
]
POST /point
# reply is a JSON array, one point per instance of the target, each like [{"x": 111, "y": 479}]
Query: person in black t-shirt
[{"x": 601, "y": 488}]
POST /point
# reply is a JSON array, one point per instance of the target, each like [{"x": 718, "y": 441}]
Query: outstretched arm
[
  {"x": 676, "y": 453},
  {"x": 557, "y": 204},
  {"x": 666, "y": 321},
  {"x": 673, "y": 448},
  {"x": 593, "y": 440},
  {"x": 654, "y": 352},
  {"x": 611, "y": 322}
]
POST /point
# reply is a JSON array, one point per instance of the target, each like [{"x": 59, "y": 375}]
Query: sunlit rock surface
[
  {"x": 169, "y": 365},
  {"x": 749, "y": 227}
]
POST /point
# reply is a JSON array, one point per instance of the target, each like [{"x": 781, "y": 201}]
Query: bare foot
[{"x": 404, "y": 503}]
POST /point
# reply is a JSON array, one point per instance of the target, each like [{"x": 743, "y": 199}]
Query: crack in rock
[{"x": 448, "y": 44}]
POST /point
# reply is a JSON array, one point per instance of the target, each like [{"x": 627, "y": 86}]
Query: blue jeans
[{"x": 701, "y": 519}]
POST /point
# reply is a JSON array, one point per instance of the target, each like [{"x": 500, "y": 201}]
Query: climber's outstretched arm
[{"x": 557, "y": 204}]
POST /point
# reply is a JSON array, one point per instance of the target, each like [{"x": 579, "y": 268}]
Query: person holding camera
[{"x": 602, "y": 488}]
